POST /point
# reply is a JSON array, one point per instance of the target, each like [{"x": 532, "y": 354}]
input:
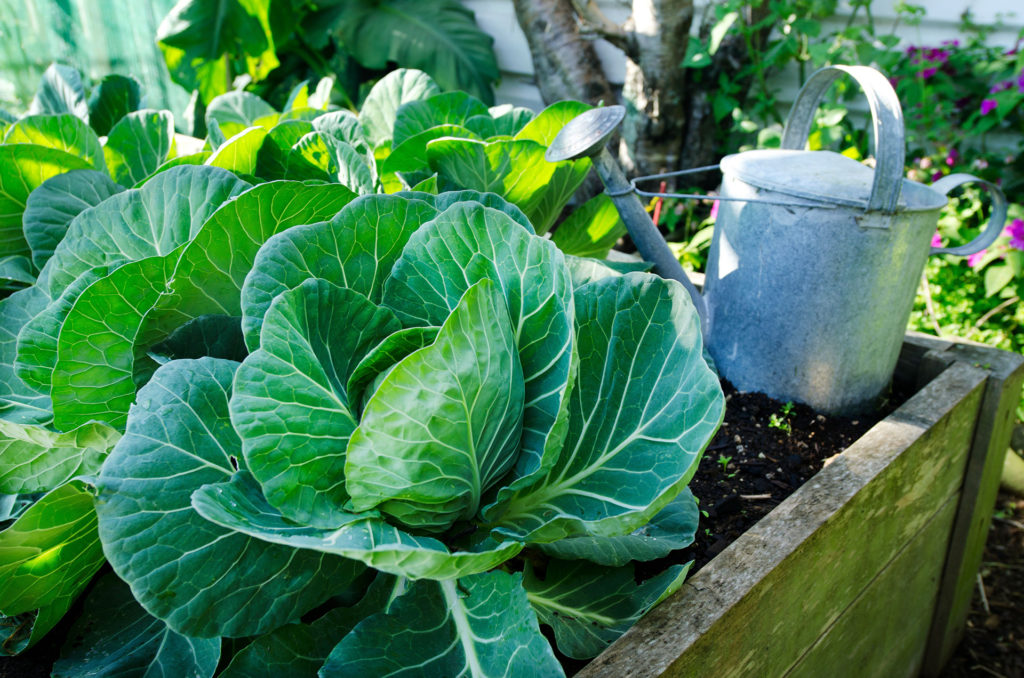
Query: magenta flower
[
  {"x": 936, "y": 239},
  {"x": 936, "y": 176},
  {"x": 714, "y": 210},
  {"x": 1020, "y": 82},
  {"x": 951, "y": 43},
  {"x": 988, "y": 105},
  {"x": 929, "y": 72},
  {"x": 1016, "y": 232},
  {"x": 974, "y": 259},
  {"x": 952, "y": 157}
]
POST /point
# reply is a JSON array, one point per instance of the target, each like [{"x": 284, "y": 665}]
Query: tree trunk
[
  {"x": 564, "y": 62},
  {"x": 654, "y": 91}
]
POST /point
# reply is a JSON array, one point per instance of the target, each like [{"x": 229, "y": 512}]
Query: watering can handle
[
  {"x": 995, "y": 220},
  {"x": 887, "y": 124}
]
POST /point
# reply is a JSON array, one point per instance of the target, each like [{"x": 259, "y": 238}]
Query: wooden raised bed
[{"x": 866, "y": 570}]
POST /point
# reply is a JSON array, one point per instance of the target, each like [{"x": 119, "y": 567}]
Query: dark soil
[{"x": 764, "y": 451}]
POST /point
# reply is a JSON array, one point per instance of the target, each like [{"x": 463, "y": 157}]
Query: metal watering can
[{"x": 815, "y": 257}]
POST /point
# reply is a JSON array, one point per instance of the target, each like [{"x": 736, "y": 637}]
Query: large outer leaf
[
  {"x": 673, "y": 528},
  {"x": 24, "y": 167},
  {"x": 203, "y": 580},
  {"x": 238, "y": 154},
  {"x": 18, "y": 402},
  {"x": 548, "y": 123},
  {"x": 110, "y": 100},
  {"x": 450, "y": 108},
  {"x": 238, "y": 111},
  {"x": 138, "y": 144},
  {"x": 592, "y": 229},
  {"x": 151, "y": 221},
  {"x": 272, "y": 158},
  {"x": 48, "y": 556},
  {"x": 116, "y": 637},
  {"x": 645, "y": 406},
  {"x": 445, "y": 424},
  {"x": 197, "y": 34},
  {"x": 60, "y": 91},
  {"x": 239, "y": 505},
  {"x": 355, "y": 250},
  {"x": 35, "y": 459},
  {"x": 65, "y": 132},
  {"x": 480, "y": 627},
  {"x": 398, "y": 87},
  {"x": 437, "y": 36},
  {"x": 468, "y": 243},
  {"x": 411, "y": 154},
  {"x": 515, "y": 170},
  {"x": 50, "y": 208},
  {"x": 588, "y": 607},
  {"x": 212, "y": 269},
  {"x": 290, "y": 406}
]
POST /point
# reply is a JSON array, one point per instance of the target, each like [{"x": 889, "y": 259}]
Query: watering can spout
[{"x": 586, "y": 136}]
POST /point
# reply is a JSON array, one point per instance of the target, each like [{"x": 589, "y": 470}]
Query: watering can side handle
[
  {"x": 996, "y": 220},
  {"x": 887, "y": 122}
]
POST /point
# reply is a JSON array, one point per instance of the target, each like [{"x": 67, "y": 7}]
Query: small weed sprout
[{"x": 781, "y": 420}]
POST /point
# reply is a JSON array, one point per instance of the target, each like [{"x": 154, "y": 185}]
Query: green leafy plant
[{"x": 780, "y": 420}]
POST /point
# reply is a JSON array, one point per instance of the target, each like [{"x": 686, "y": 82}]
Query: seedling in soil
[
  {"x": 781, "y": 420},
  {"x": 723, "y": 461}
]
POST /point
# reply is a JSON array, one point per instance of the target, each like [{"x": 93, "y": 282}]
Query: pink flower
[
  {"x": 1020, "y": 82},
  {"x": 988, "y": 105},
  {"x": 1016, "y": 232},
  {"x": 929, "y": 72},
  {"x": 714, "y": 210},
  {"x": 974, "y": 259},
  {"x": 952, "y": 157},
  {"x": 936, "y": 176},
  {"x": 936, "y": 240}
]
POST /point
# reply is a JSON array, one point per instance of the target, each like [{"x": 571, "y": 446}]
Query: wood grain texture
[{"x": 757, "y": 607}]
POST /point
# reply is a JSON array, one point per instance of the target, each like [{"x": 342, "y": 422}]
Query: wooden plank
[
  {"x": 981, "y": 485},
  {"x": 764, "y": 600},
  {"x": 869, "y": 639}
]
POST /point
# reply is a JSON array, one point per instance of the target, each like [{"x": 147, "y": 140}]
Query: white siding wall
[{"x": 498, "y": 18}]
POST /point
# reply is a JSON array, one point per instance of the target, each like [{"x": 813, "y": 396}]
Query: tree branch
[{"x": 592, "y": 20}]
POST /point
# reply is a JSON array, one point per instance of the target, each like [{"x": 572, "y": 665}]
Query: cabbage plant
[{"x": 436, "y": 399}]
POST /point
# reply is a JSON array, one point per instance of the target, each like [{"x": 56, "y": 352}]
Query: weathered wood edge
[
  {"x": 978, "y": 496},
  {"x": 652, "y": 631}
]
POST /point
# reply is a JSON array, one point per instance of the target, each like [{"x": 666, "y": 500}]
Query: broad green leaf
[
  {"x": 479, "y": 627},
  {"x": 320, "y": 156},
  {"x": 450, "y": 108},
  {"x": 140, "y": 142},
  {"x": 64, "y": 132},
  {"x": 644, "y": 407},
  {"x": 60, "y": 91},
  {"x": 510, "y": 120},
  {"x": 673, "y": 528},
  {"x": 16, "y": 272},
  {"x": 101, "y": 348},
  {"x": 356, "y": 250},
  {"x": 515, "y": 170},
  {"x": 239, "y": 505},
  {"x": 13, "y": 505},
  {"x": 48, "y": 556},
  {"x": 468, "y": 243},
  {"x": 398, "y": 87},
  {"x": 51, "y": 207},
  {"x": 18, "y": 402},
  {"x": 545, "y": 127},
  {"x": 198, "y": 37},
  {"x": 212, "y": 268},
  {"x": 290, "y": 406},
  {"x": 238, "y": 154},
  {"x": 442, "y": 201},
  {"x": 301, "y": 649},
  {"x": 384, "y": 355},
  {"x": 113, "y": 98},
  {"x": 199, "y": 578},
  {"x": 150, "y": 221},
  {"x": 272, "y": 158},
  {"x": 411, "y": 154},
  {"x": 588, "y": 607},
  {"x": 482, "y": 126},
  {"x": 116, "y": 637},
  {"x": 23, "y": 168},
  {"x": 444, "y": 425},
  {"x": 592, "y": 230},
  {"x": 428, "y": 185},
  {"x": 36, "y": 459},
  {"x": 214, "y": 336},
  {"x": 199, "y": 158},
  {"x": 36, "y": 353},
  {"x": 237, "y": 111},
  {"x": 343, "y": 126},
  {"x": 587, "y": 270}
]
